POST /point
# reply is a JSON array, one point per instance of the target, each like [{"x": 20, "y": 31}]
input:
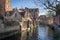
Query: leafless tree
[
  {"x": 48, "y": 4},
  {"x": 53, "y": 5}
]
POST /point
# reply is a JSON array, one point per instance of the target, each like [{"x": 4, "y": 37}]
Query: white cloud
[{"x": 42, "y": 13}]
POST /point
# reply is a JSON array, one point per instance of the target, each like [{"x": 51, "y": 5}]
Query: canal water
[{"x": 40, "y": 33}]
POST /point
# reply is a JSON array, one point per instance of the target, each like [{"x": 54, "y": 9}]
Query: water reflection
[
  {"x": 28, "y": 35},
  {"x": 40, "y": 33},
  {"x": 43, "y": 33}
]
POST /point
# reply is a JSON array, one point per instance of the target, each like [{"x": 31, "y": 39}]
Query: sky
[{"x": 26, "y": 3}]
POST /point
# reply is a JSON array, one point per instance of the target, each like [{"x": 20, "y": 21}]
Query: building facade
[
  {"x": 43, "y": 19},
  {"x": 5, "y": 5}
]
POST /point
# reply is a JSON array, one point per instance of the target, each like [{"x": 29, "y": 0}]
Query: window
[{"x": 15, "y": 14}]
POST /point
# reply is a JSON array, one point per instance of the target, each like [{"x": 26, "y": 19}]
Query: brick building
[{"x": 5, "y": 5}]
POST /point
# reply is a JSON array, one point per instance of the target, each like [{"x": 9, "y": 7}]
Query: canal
[{"x": 40, "y": 33}]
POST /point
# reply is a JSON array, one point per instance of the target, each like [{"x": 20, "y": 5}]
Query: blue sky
[{"x": 26, "y": 3}]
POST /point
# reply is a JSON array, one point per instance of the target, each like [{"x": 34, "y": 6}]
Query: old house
[
  {"x": 43, "y": 19},
  {"x": 30, "y": 17},
  {"x": 13, "y": 16},
  {"x": 33, "y": 14}
]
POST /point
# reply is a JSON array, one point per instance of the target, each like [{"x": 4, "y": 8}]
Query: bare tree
[
  {"x": 50, "y": 14},
  {"x": 53, "y": 5},
  {"x": 48, "y": 4}
]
